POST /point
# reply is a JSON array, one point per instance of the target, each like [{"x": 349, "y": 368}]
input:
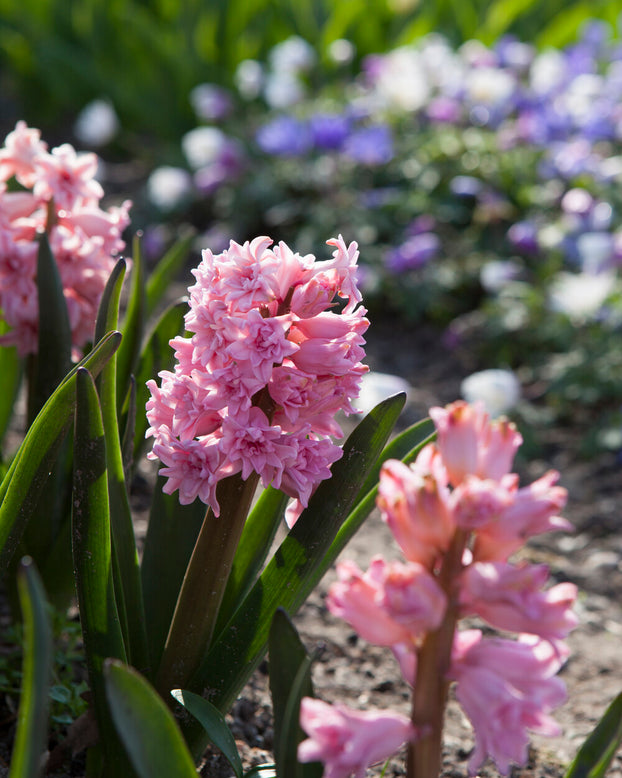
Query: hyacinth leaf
[
  {"x": 126, "y": 567},
  {"x": 133, "y": 326},
  {"x": 214, "y": 724},
  {"x": 24, "y": 481},
  {"x": 32, "y": 721},
  {"x": 156, "y": 355},
  {"x": 290, "y": 681},
  {"x": 54, "y": 339},
  {"x": 92, "y": 554},
  {"x": 403, "y": 446},
  {"x": 171, "y": 536},
  {"x": 11, "y": 372},
  {"x": 147, "y": 727},
  {"x": 167, "y": 270},
  {"x": 596, "y": 753},
  {"x": 291, "y": 574},
  {"x": 127, "y": 443},
  {"x": 257, "y": 537},
  {"x": 261, "y": 771}
]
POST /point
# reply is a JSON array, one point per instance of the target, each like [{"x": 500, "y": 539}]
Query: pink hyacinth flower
[
  {"x": 512, "y": 598},
  {"x": 348, "y": 741},
  {"x": 21, "y": 148},
  {"x": 415, "y": 505},
  {"x": 533, "y": 511},
  {"x": 391, "y": 603},
  {"x": 268, "y": 364},
  {"x": 506, "y": 688},
  {"x": 471, "y": 444}
]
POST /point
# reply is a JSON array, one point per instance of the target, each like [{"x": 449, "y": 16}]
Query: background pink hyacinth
[
  {"x": 54, "y": 192},
  {"x": 270, "y": 360}
]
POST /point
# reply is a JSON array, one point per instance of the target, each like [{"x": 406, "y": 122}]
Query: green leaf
[
  {"x": 171, "y": 535},
  {"x": 22, "y": 485},
  {"x": 133, "y": 326},
  {"x": 32, "y": 721},
  {"x": 126, "y": 567},
  {"x": 259, "y": 532},
  {"x": 290, "y": 681},
  {"x": 292, "y": 573},
  {"x": 54, "y": 352},
  {"x": 214, "y": 724},
  {"x": 167, "y": 269},
  {"x": 146, "y": 726},
  {"x": 11, "y": 372},
  {"x": 92, "y": 556},
  {"x": 596, "y": 753},
  {"x": 156, "y": 355}
]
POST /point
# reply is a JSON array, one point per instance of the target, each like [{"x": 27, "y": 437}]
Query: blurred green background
[{"x": 146, "y": 55}]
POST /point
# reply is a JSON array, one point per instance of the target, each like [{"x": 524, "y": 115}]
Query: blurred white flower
[
  {"x": 595, "y": 250},
  {"x": 282, "y": 90},
  {"x": 249, "y": 78},
  {"x": 490, "y": 86},
  {"x": 548, "y": 71},
  {"x": 497, "y": 273},
  {"x": 341, "y": 51},
  {"x": 293, "y": 55},
  {"x": 96, "y": 124},
  {"x": 168, "y": 187},
  {"x": 203, "y": 146},
  {"x": 499, "y": 390},
  {"x": 376, "y": 387},
  {"x": 580, "y": 295},
  {"x": 401, "y": 80}
]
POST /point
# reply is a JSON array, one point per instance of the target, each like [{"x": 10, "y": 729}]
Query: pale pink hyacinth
[
  {"x": 85, "y": 240},
  {"x": 458, "y": 515},
  {"x": 269, "y": 362},
  {"x": 348, "y": 741},
  {"x": 507, "y": 688}
]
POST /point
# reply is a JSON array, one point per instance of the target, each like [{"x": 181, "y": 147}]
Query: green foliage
[
  {"x": 596, "y": 753},
  {"x": 32, "y": 723},
  {"x": 60, "y": 55}
]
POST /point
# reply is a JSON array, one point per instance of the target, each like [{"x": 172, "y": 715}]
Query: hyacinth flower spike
[
  {"x": 458, "y": 515},
  {"x": 271, "y": 357}
]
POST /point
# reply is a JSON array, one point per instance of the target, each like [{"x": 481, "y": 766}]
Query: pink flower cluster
[
  {"x": 55, "y": 192},
  {"x": 269, "y": 362},
  {"x": 460, "y": 494}
]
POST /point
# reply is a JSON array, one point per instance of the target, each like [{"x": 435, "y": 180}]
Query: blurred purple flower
[
  {"x": 523, "y": 236},
  {"x": 284, "y": 136},
  {"x": 413, "y": 253},
  {"x": 211, "y": 102},
  {"x": 370, "y": 145},
  {"x": 329, "y": 130},
  {"x": 444, "y": 110}
]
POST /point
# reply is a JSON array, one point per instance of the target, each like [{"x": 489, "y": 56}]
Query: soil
[{"x": 361, "y": 675}]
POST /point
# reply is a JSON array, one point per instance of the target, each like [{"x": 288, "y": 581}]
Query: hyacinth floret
[
  {"x": 55, "y": 192},
  {"x": 273, "y": 352}
]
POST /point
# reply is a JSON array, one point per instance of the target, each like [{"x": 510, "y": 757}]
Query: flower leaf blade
[
  {"x": 214, "y": 724},
  {"x": 596, "y": 753},
  {"x": 145, "y": 725},
  {"x": 30, "y": 739},
  {"x": 29, "y": 470}
]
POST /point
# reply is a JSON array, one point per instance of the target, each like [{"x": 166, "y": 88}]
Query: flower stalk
[{"x": 204, "y": 584}]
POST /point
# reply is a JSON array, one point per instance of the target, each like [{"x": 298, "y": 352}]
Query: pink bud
[
  {"x": 348, "y": 741},
  {"x": 472, "y": 445},
  {"x": 415, "y": 506},
  {"x": 511, "y": 598}
]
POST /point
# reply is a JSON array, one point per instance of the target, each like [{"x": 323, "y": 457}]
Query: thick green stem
[
  {"x": 204, "y": 585},
  {"x": 431, "y": 685}
]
